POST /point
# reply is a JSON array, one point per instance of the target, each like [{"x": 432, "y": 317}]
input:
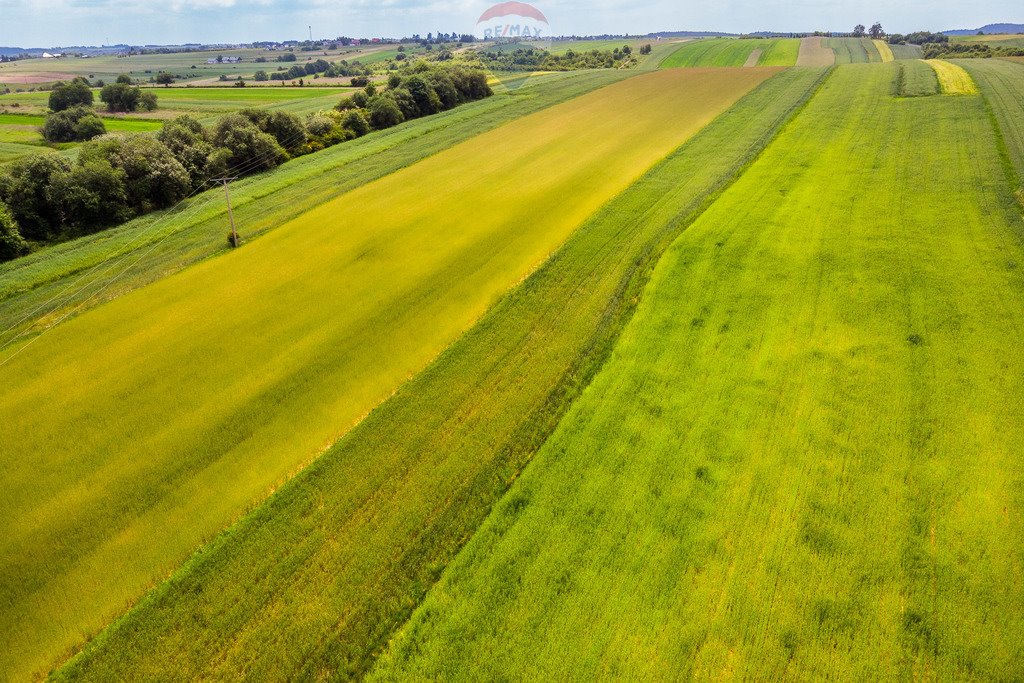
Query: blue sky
[{"x": 44, "y": 23}]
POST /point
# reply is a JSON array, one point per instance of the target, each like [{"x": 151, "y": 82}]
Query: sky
[{"x": 47, "y": 23}]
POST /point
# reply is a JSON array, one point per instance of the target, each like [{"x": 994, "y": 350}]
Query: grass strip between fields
[
  {"x": 803, "y": 459},
  {"x": 314, "y": 582}
]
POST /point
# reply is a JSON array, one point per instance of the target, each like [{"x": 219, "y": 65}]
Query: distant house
[{"x": 224, "y": 60}]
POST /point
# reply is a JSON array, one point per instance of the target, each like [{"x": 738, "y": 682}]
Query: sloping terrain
[
  {"x": 244, "y": 368},
  {"x": 802, "y": 460},
  {"x": 314, "y": 582}
]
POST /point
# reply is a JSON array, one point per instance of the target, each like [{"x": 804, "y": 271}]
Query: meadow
[
  {"x": 733, "y": 52},
  {"x": 272, "y": 382},
  {"x": 191, "y": 66},
  {"x": 321, "y": 575},
  {"x": 802, "y": 459},
  {"x": 22, "y": 113}
]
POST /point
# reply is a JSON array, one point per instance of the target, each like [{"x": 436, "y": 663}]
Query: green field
[
  {"x": 20, "y": 133},
  {"x": 394, "y": 265},
  {"x": 29, "y": 73},
  {"x": 1013, "y": 40},
  {"x": 906, "y": 51},
  {"x": 853, "y": 50},
  {"x": 802, "y": 461},
  {"x": 1002, "y": 84},
  {"x": 915, "y": 79},
  {"x": 733, "y": 52},
  {"x": 703, "y": 369},
  {"x": 173, "y": 240},
  {"x": 428, "y": 464}
]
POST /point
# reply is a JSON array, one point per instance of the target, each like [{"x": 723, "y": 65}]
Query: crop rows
[
  {"x": 802, "y": 460},
  {"x": 319, "y": 577}
]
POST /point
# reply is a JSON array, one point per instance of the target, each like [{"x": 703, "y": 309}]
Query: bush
[
  {"x": 153, "y": 177},
  {"x": 24, "y": 190},
  {"x": 188, "y": 142},
  {"x": 249, "y": 147},
  {"x": 91, "y": 195},
  {"x": 384, "y": 111},
  {"x": 12, "y": 244},
  {"x": 261, "y": 76},
  {"x": 360, "y": 82},
  {"x": 120, "y": 97},
  {"x": 286, "y": 128},
  {"x": 76, "y": 124},
  {"x": 67, "y": 95},
  {"x": 319, "y": 125},
  {"x": 423, "y": 94},
  {"x": 356, "y": 122}
]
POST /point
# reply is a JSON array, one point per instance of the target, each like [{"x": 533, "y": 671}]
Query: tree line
[
  {"x": 47, "y": 198},
  {"x": 537, "y": 59}
]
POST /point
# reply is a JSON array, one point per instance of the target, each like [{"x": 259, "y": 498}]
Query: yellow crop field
[
  {"x": 953, "y": 80},
  {"x": 140, "y": 429},
  {"x": 884, "y": 51}
]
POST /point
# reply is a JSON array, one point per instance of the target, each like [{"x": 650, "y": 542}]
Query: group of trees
[
  {"x": 876, "y": 32},
  {"x": 72, "y": 117},
  {"x": 917, "y": 38},
  {"x": 47, "y": 198},
  {"x": 123, "y": 96},
  {"x": 968, "y": 50},
  {"x": 421, "y": 90},
  {"x": 311, "y": 68},
  {"x": 534, "y": 59}
]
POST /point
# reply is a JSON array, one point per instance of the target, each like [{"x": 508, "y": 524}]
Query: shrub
[
  {"x": 91, "y": 195},
  {"x": 12, "y": 244},
  {"x": 120, "y": 97},
  {"x": 24, "y": 190},
  {"x": 187, "y": 140},
  {"x": 261, "y": 76},
  {"x": 319, "y": 125},
  {"x": 77, "y": 124},
  {"x": 384, "y": 111},
  {"x": 67, "y": 95},
  {"x": 423, "y": 94},
  {"x": 153, "y": 177},
  {"x": 356, "y": 122},
  {"x": 250, "y": 148}
]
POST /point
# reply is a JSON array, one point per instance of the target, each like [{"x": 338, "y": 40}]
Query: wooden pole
[{"x": 231, "y": 216}]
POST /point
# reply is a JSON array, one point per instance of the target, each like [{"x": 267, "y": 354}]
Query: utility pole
[
  {"x": 311, "y": 34},
  {"x": 231, "y": 216}
]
